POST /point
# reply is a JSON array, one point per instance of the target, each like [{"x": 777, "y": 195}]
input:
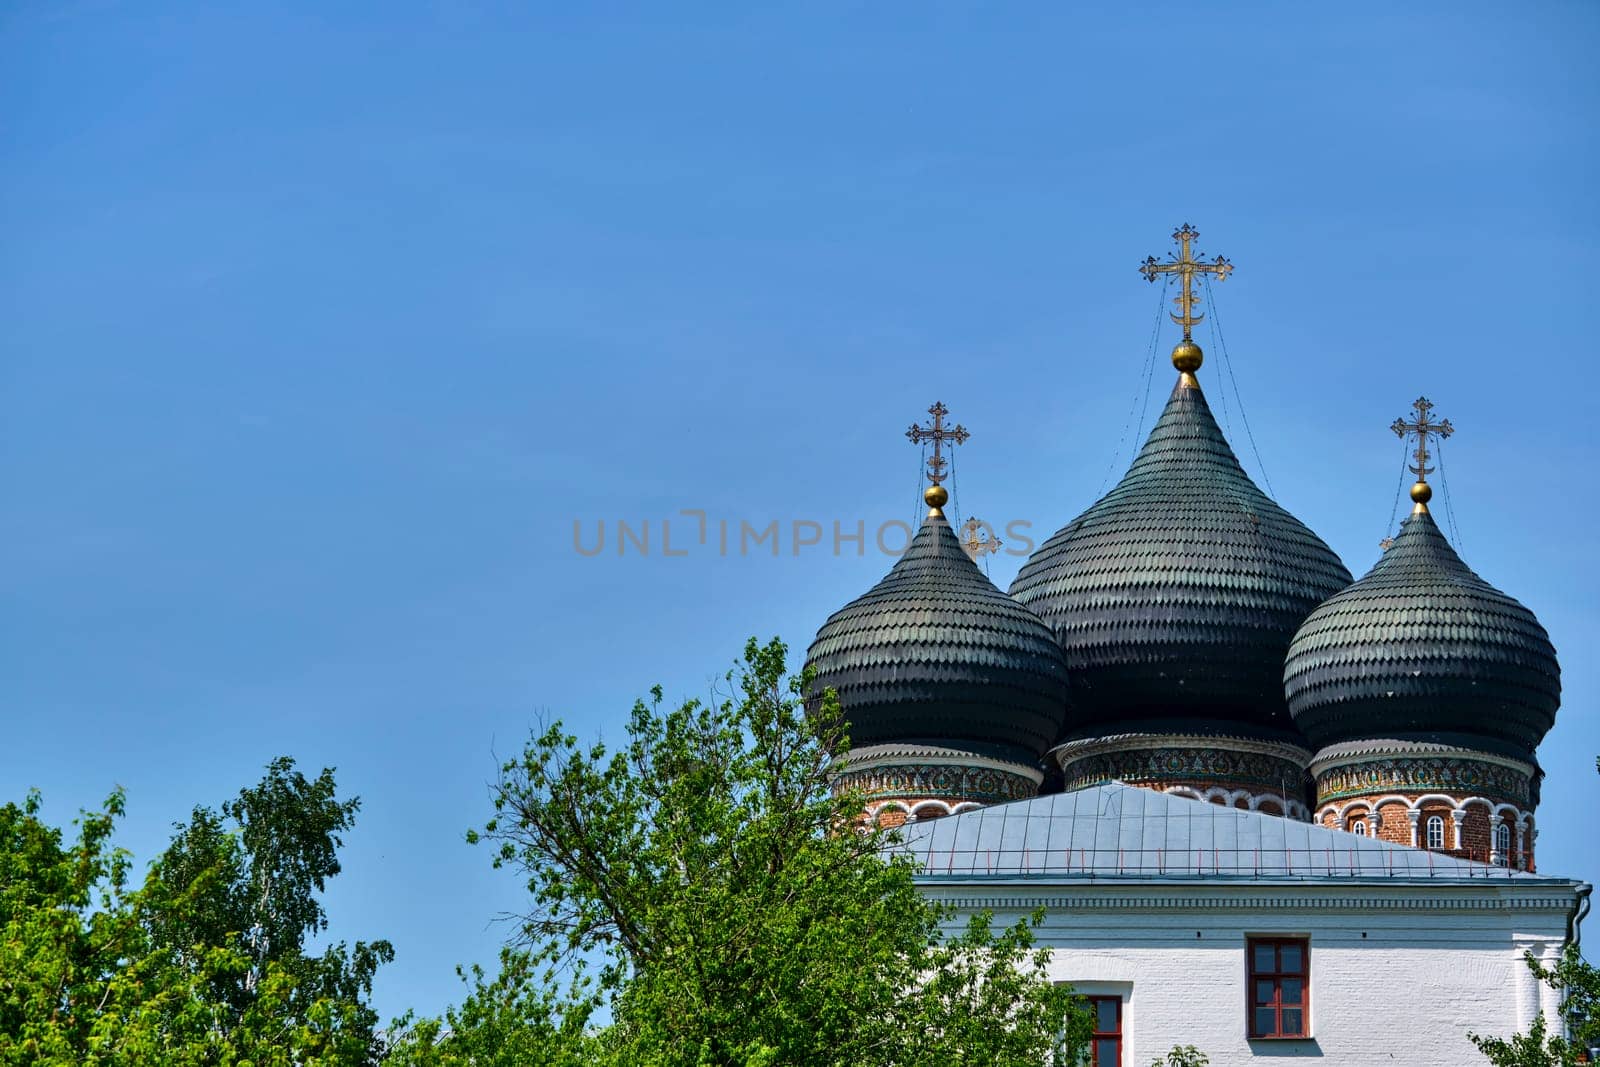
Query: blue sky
[{"x": 320, "y": 329}]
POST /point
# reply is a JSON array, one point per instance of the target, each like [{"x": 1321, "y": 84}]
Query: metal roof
[
  {"x": 1423, "y": 649},
  {"x": 1118, "y": 831},
  {"x": 1175, "y": 595},
  {"x": 936, "y": 653}
]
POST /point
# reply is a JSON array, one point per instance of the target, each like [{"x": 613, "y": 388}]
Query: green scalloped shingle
[
  {"x": 1421, "y": 648},
  {"x": 935, "y": 654}
]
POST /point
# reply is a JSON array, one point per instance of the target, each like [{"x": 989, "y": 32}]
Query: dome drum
[
  {"x": 1411, "y": 768},
  {"x": 908, "y": 776},
  {"x": 1207, "y": 765}
]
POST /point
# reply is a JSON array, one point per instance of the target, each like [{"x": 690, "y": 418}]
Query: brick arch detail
[{"x": 1469, "y": 823}]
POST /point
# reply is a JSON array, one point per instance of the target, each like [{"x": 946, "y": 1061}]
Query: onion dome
[
  {"x": 1422, "y": 649},
  {"x": 936, "y": 655},
  {"x": 1175, "y": 595}
]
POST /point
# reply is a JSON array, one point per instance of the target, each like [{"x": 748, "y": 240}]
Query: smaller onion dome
[
  {"x": 1422, "y": 649},
  {"x": 935, "y": 654}
]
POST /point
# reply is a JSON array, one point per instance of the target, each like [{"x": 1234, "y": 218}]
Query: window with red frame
[
  {"x": 1280, "y": 986},
  {"x": 1105, "y": 1048}
]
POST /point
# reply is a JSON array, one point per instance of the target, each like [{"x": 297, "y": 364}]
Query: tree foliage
[
  {"x": 202, "y": 963},
  {"x": 702, "y": 886},
  {"x": 1579, "y": 986}
]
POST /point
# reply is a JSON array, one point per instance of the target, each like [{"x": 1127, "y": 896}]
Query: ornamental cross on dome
[
  {"x": 1422, "y": 426},
  {"x": 1185, "y": 266},
  {"x": 938, "y": 433},
  {"x": 976, "y": 545}
]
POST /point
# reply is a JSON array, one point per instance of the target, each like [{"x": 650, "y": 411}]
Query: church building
[{"x": 1263, "y": 804}]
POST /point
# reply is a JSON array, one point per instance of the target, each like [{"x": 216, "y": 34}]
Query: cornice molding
[{"x": 1554, "y": 898}]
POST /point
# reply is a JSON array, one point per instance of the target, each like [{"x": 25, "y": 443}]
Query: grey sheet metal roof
[
  {"x": 1175, "y": 595},
  {"x": 1423, "y": 649},
  {"x": 935, "y": 653},
  {"x": 1118, "y": 831}
]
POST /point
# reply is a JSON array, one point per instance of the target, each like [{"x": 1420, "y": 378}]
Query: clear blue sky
[{"x": 319, "y": 329}]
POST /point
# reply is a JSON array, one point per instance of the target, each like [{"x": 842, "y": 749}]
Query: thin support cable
[
  {"x": 1399, "y": 486},
  {"x": 1449, "y": 508},
  {"x": 1238, "y": 398},
  {"x": 1141, "y": 397},
  {"x": 916, "y": 509},
  {"x": 1149, "y": 370},
  {"x": 955, "y": 494},
  {"x": 1222, "y": 394}
]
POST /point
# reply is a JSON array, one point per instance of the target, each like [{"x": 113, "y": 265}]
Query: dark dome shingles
[
  {"x": 1175, "y": 595},
  {"x": 1423, "y": 649},
  {"x": 934, "y": 653}
]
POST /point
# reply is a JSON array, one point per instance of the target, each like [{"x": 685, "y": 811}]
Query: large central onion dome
[
  {"x": 1422, "y": 649},
  {"x": 935, "y": 655},
  {"x": 1175, "y": 595}
]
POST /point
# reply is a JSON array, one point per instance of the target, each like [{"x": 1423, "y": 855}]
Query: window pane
[
  {"x": 1266, "y": 1021},
  {"x": 1289, "y": 956},
  {"x": 1105, "y": 1016},
  {"x": 1293, "y": 1021},
  {"x": 1293, "y": 990},
  {"x": 1264, "y": 959},
  {"x": 1265, "y": 987},
  {"x": 1106, "y": 1052}
]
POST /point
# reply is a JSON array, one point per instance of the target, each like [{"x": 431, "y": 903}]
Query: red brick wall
[{"x": 1476, "y": 837}]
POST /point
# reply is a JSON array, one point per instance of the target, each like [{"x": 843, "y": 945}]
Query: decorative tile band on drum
[
  {"x": 1143, "y": 759},
  {"x": 917, "y": 781},
  {"x": 911, "y": 773},
  {"x": 1456, "y": 773}
]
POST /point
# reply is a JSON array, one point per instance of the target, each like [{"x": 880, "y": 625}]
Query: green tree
[
  {"x": 252, "y": 887},
  {"x": 65, "y": 925},
  {"x": 93, "y": 971},
  {"x": 702, "y": 885},
  {"x": 1579, "y": 985},
  {"x": 1182, "y": 1056}
]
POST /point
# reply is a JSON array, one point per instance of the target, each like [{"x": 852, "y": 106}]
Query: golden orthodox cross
[
  {"x": 1422, "y": 426},
  {"x": 975, "y": 545},
  {"x": 938, "y": 433},
  {"x": 1185, "y": 266}
]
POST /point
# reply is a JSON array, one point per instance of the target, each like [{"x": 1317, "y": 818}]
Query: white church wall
[{"x": 1397, "y": 974}]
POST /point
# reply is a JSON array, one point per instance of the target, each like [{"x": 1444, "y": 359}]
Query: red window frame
[
  {"x": 1279, "y": 968},
  {"x": 1114, "y": 1035}
]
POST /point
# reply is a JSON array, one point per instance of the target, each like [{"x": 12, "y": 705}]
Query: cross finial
[
  {"x": 1187, "y": 355},
  {"x": 938, "y": 433},
  {"x": 978, "y": 546},
  {"x": 1421, "y": 426}
]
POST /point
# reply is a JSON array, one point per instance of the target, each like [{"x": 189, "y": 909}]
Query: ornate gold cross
[
  {"x": 938, "y": 434},
  {"x": 1422, "y": 426},
  {"x": 978, "y": 546},
  {"x": 1185, "y": 266}
]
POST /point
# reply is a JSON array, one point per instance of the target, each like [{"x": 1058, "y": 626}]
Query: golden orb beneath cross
[
  {"x": 1187, "y": 357},
  {"x": 1422, "y": 492},
  {"x": 935, "y": 496}
]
